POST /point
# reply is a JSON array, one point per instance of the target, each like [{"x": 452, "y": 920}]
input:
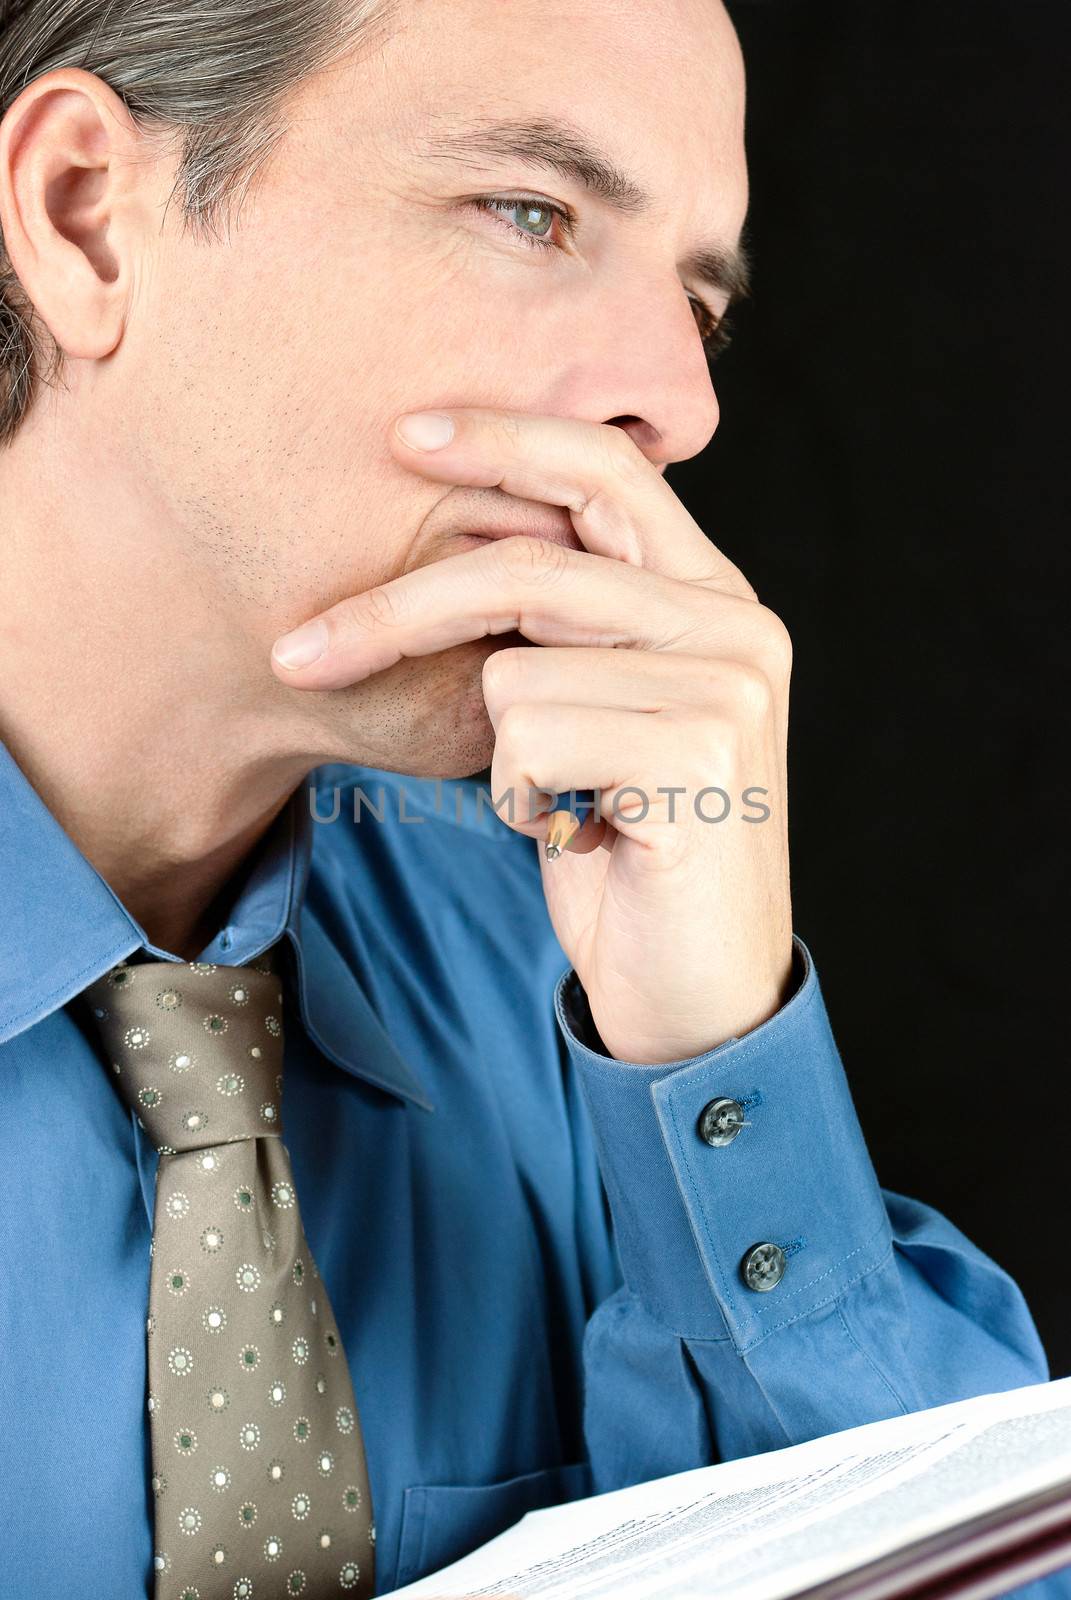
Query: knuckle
[
  {"x": 530, "y": 560},
  {"x": 751, "y": 690},
  {"x": 776, "y": 645},
  {"x": 622, "y": 454},
  {"x": 375, "y": 610},
  {"x": 507, "y": 427},
  {"x": 724, "y": 576},
  {"x": 516, "y": 727},
  {"x": 713, "y": 742},
  {"x": 501, "y": 672},
  {"x": 739, "y": 685}
]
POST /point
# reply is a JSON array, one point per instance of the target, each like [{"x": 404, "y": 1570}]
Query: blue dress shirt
[{"x": 533, "y": 1257}]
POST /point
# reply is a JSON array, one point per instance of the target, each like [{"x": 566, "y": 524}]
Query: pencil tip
[{"x": 552, "y": 852}]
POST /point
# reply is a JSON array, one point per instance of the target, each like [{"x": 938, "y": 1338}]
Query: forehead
[{"x": 659, "y": 87}]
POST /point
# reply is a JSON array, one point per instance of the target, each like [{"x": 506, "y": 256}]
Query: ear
[{"x": 74, "y": 206}]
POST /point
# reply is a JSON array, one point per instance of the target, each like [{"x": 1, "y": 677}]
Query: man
[{"x": 583, "y": 1198}]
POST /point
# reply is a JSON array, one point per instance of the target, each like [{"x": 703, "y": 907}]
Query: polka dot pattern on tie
[{"x": 259, "y": 1480}]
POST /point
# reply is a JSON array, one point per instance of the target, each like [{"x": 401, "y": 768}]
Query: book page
[{"x": 766, "y": 1526}]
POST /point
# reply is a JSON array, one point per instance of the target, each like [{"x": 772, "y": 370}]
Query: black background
[{"x": 889, "y": 473}]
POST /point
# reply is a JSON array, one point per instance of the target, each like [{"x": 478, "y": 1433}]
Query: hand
[{"x": 660, "y": 669}]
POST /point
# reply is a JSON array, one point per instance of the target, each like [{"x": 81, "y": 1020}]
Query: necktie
[{"x": 259, "y": 1474}]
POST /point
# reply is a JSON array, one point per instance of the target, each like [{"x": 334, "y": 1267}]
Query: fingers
[
  {"x": 552, "y": 595},
  {"x": 646, "y": 681},
  {"x": 543, "y": 749},
  {"x": 619, "y": 503}
]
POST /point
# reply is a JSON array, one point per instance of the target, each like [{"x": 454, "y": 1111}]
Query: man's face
[{"x": 361, "y": 280}]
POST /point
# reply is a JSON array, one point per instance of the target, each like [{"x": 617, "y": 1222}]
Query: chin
[
  {"x": 456, "y": 738},
  {"x": 426, "y": 717}
]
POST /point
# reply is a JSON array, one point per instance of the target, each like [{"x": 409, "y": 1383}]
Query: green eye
[
  {"x": 531, "y": 219},
  {"x": 534, "y": 219}
]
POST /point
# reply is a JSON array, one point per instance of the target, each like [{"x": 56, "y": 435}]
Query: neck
[{"x": 134, "y": 716}]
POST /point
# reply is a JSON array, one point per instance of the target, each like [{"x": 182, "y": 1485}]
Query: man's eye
[
  {"x": 530, "y": 219},
  {"x": 714, "y": 331}
]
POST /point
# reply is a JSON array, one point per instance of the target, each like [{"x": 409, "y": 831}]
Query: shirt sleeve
[{"x": 883, "y": 1306}]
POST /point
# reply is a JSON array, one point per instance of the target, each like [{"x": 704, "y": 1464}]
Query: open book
[{"x": 971, "y": 1499}]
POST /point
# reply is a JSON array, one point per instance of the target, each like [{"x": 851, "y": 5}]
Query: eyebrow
[{"x": 553, "y": 144}]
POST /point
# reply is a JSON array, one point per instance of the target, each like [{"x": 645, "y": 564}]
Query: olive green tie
[{"x": 259, "y": 1474}]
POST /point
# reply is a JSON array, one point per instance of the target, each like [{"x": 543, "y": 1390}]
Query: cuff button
[
  {"x": 763, "y": 1267},
  {"x": 720, "y": 1122}
]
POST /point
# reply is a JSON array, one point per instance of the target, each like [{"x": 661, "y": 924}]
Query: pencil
[{"x": 567, "y": 816}]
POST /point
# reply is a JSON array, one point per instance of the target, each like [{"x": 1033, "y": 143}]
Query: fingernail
[
  {"x": 426, "y": 430},
  {"x": 300, "y": 648}
]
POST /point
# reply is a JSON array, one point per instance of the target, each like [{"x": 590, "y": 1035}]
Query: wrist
[{"x": 737, "y": 1015}]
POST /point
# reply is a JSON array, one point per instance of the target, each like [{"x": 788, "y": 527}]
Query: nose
[{"x": 637, "y": 361}]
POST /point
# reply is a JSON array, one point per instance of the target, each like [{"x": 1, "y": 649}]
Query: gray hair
[{"x": 212, "y": 73}]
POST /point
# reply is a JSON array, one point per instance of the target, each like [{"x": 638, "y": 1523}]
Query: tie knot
[{"x": 197, "y": 1049}]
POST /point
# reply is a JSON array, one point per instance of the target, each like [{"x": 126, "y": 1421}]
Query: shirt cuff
[{"x": 687, "y": 1213}]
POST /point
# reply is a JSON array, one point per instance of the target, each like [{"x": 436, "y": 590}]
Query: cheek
[
  {"x": 265, "y": 438},
  {"x": 276, "y": 368}
]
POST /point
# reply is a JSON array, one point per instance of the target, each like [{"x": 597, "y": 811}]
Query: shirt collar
[{"x": 64, "y": 927}]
